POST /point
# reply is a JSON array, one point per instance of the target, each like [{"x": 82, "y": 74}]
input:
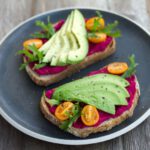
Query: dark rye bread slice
[
  {"x": 45, "y": 80},
  {"x": 106, "y": 125}
]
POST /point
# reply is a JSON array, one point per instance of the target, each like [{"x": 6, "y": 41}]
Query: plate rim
[{"x": 80, "y": 141}]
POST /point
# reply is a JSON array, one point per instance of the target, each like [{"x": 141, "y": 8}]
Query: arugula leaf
[
  {"x": 27, "y": 53},
  {"x": 92, "y": 34},
  {"x": 43, "y": 93},
  {"x": 39, "y": 35},
  {"x": 50, "y": 27},
  {"x": 23, "y": 66},
  {"x": 53, "y": 102},
  {"x": 111, "y": 29},
  {"x": 76, "y": 113},
  {"x": 34, "y": 55},
  {"x": 38, "y": 54},
  {"x": 96, "y": 25},
  {"x": 47, "y": 29},
  {"x": 38, "y": 66},
  {"x": 99, "y": 14},
  {"x": 132, "y": 67}
]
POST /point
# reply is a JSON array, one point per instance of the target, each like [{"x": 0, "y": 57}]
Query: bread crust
[
  {"x": 106, "y": 125},
  {"x": 46, "y": 80}
]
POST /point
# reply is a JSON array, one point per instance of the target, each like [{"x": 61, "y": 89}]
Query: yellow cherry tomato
[
  {"x": 90, "y": 23},
  {"x": 89, "y": 115},
  {"x": 63, "y": 109},
  {"x": 117, "y": 67},
  {"x": 97, "y": 38},
  {"x": 37, "y": 42}
]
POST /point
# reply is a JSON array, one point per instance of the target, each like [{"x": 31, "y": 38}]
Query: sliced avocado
[
  {"x": 102, "y": 100},
  {"x": 66, "y": 43},
  {"x": 73, "y": 40},
  {"x": 73, "y": 43},
  {"x": 55, "y": 47},
  {"x": 94, "y": 90},
  {"x": 44, "y": 48},
  {"x": 121, "y": 93},
  {"x": 93, "y": 80},
  {"x": 80, "y": 33},
  {"x": 69, "y": 45}
]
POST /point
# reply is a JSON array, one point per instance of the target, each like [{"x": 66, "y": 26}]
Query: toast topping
[
  {"x": 37, "y": 42},
  {"x": 117, "y": 68},
  {"x": 100, "y": 96},
  {"x": 89, "y": 115},
  {"x": 63, "y": 110},
  {"x": 69, "y": 45},
  {"x": 97, "y": 37},
  {"x": 91, "y": 22},
  {"x": 67, "y": 42}
]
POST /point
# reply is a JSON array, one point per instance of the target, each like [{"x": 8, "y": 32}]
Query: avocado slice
[
  {"x": 103, "y": 91},
  {"x": 69, "y": 45},
  {"x": 121, "y": 93},
  {"x": 64, "y": 53},
  {"x": 80, "y": 33},
  {"x": 73, "y": 43},
  {"x": 93, "y": 80},
  {"x": 45, "y": 48},
  {"x": 102, "y": 100},
  {"x": 55, "y": 44},
  {"x": 66, "y": 43}
]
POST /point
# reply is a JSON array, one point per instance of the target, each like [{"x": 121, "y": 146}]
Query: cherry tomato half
[
  {"x": 89, "y": 115},
  {"x": 62, "y": 110},
  {"x": 117, "y": 67},
  {"x": 98, "y": 38},
  {"x": 37, "y": 42},
  {"x": 90, "y": 23}
]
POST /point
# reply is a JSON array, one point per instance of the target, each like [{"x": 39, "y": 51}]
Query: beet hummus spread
[
  {"x": 103, "y": 115},
  {"x": 93, "y": 48}
]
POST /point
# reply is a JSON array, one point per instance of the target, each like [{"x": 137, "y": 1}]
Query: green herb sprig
[
  {"x": 47, "y": 29},
  {"x": 98, "y": 13},
  {"x": 33, "y": 56},
  {"x": 53, "y": 102},
  {"x": 76, "y": 113},
  {"x": 110, "y": 29},
  {"x": 132, "y": 67}
]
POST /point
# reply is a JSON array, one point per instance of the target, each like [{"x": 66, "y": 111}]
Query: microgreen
[
  {"x": 47, "y": 29},
  {"x": 53, "y": 102},
  {"x": 33, "y": 55},
  {"x": 132, "y": 67},
  {"x": 96, "y": 25},
  {"x": 23, "y": 66},
  {"x": 98, "y": 13},
  {"x": 38, "y": 66},
  {"x": 111, "y": 29},
  {"x": 76, "y": 112}
]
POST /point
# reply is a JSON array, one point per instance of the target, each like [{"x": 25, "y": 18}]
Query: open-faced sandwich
[
  {"x": 63, "y": 48},
  {"x": 95, "y": 103}
]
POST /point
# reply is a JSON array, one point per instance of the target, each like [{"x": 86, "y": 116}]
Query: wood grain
[{"x": 12, "y": 12}]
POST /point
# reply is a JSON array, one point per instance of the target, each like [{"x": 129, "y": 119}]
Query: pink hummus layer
[
  {"x": 93, "y": 48},
  {"x": 103, "y": 115}
]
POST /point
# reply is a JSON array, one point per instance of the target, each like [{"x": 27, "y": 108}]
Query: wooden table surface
[{"x": 12, "y": 12}]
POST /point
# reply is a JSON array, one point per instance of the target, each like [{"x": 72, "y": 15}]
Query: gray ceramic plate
[{"x": 19, "y": 96}]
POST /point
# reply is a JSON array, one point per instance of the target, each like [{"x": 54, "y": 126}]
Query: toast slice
[
  {"x": 46, "y": 80},
  {"x": 106, "y": 125}
]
